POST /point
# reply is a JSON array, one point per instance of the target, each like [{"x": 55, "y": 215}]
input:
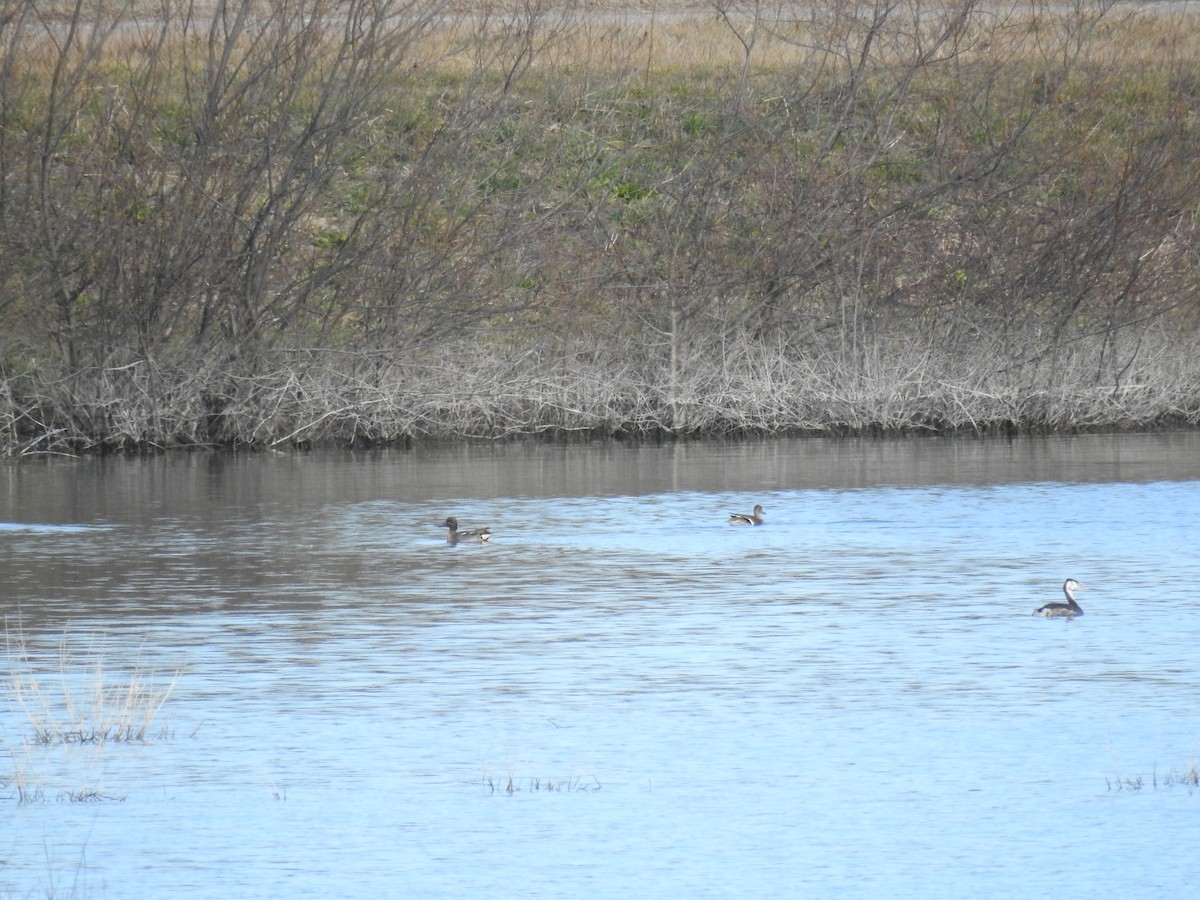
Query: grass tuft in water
[
  {"x": 77, "y": 703},
  {"x": 89, "y": 795},
  {"x": 513, "y": 785},
  {"x": 80, "y": 700},
  {"x": 1188, "y": 778}
]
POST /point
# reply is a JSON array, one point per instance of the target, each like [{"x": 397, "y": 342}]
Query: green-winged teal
[
  {"x": 754, "y": 518},
  {"x": 469, "y": 534}
]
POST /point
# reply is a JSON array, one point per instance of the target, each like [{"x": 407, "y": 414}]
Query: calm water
[{"x": 852, "y": 700}]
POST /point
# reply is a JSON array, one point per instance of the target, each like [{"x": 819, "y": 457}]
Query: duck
[
  {"x": 754, "y": 518},
  {"x": 1070, "y": 609},
  {"x": 470, "y": 534}
]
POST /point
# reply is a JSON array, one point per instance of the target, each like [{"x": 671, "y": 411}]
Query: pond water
[{"x": 619, "y": 695}]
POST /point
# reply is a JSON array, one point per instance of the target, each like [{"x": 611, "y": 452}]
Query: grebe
[
  {"x": 1070, "y": 609},
  {"x": 754, "y": 518},
  {"x": 470, "y": 534}
]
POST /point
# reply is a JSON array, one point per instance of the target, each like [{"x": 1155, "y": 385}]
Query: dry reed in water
[{"x": 81, "y": 701}]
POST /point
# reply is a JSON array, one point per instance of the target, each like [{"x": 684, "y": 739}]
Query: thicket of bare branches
[{"x": 272, "y": 222}]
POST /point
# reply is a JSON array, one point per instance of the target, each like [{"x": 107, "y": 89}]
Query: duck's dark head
[{"x": 451, "y": 523}]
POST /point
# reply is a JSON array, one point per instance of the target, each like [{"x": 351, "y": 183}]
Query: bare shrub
[{"x": 259, "y": 224}]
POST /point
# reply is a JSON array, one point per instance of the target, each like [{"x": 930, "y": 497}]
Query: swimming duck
[
  {"x": 754, "y": 518},
  {"x": 1070, "y": 609},
  {"x": 469, "y": 534}
]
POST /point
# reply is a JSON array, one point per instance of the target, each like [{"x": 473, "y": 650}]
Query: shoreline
[{"x": 349, "y": 402}]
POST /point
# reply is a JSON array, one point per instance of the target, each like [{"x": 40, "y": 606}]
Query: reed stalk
[{"x": 81, "y": 700}]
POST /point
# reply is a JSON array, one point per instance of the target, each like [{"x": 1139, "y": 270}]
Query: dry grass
[
  {"x": 694, "y": 38},
  {"x": 703, "y": 36},
  {"x": 77, "y": 705},
  {"x": 78, "y": 699}
]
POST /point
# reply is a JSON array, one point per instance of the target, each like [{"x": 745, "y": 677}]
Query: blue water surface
[{"x": 619, "y": 695}]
